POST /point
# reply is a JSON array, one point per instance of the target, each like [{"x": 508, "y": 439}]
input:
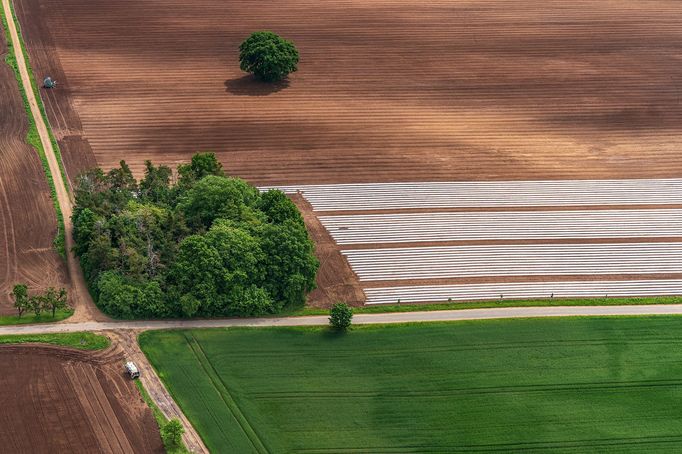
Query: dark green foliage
[
  {"x": 155, "y": 186},
  {"x": 268, "y": 56},
  {"x": 209, "y": 245},
  {"x": 201, "y": 165},
  {"x": 340, "y": 316},
  {"x": 278, "y": 208},
  {"x": 215, "y": 197},
  {"x": 290, "y": 262}
]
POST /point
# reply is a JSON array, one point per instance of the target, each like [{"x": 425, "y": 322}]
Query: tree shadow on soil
[{"x": 250, "y": 86}]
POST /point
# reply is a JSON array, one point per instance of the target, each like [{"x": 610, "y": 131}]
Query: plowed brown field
[
  {"x": 62, "y": 400},
  {"x": 386, "y": 90},
  {"x": 28, "y": 223}
]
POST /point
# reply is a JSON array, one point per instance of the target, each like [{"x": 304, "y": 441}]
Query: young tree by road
[
  {"x": 340, "y": 316},
  {"x": 171, "y": 433},
  {"x": 268, "y": 56},
  {"x": 20, "y": 295},
  {"x": 55, "y": 300},
  {"x": 36, "y": 303}
]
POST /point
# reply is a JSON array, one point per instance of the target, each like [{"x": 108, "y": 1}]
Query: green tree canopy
[
  {"x": 208, "y": 245},
  {"x": 340, "y": 316},
  {"x": 172, "y": 432},
  {"x": 268, "y": 56},
  {"x": 20, "y": 295}
]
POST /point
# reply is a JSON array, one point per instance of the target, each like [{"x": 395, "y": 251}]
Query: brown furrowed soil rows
[
  {"x": 61, "y": 400},
  {"x": 28, "y": 222},
  {"x": 387, "y": 90}
]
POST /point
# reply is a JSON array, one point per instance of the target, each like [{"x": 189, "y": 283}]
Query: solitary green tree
[
  {"x": 20, "y": 294},
  {"x": 268, "y": 56},
  {"x": 340, "y": 316},
  {"x": 171, "y": 433}
]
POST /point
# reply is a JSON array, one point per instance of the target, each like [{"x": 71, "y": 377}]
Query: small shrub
[
  {"x": 171, "y": 433},
  {"x": 340, "y": 316}
]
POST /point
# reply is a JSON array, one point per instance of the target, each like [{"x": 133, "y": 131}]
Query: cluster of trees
[
  {"x": 199, "y": 244},
  {"x": 51, "y": 300}
]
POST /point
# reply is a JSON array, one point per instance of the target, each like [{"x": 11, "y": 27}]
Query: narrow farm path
[
  {"x": 127, "y": 340},
  {"x": 85, "y": 309},
  {"x": 358, "y": 319}
]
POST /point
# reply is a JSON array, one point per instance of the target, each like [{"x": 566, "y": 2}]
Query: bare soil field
[
  {"x": 63, "y": 400},
  {"x": 335, "y": 279},
  {"x": 387, "y": 90},
  {"x": 28, "y": 222}
]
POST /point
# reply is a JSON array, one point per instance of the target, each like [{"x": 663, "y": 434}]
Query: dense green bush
[
  {"x": 268, "y": 56},
  {"x": 340, "y": 316},
  {"x": 172, "y": 432},
  {"x": 207, "y": 245}
]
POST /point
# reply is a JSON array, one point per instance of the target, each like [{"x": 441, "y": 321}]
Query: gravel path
[{"x": 358, "y": 319}]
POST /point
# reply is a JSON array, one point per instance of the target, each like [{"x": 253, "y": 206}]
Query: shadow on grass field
[{"x": 578, "y": 385}]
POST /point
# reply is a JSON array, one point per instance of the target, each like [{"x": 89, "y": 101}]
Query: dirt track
[
  {"x": 387, "y": 90},
  {"x": 79, "y": 296},
  {"x": 27, "y": 219},
  {"x": 62, "y": 400}
]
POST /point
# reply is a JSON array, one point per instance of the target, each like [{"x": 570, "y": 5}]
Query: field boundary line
[{"x": 225, "y": 394}]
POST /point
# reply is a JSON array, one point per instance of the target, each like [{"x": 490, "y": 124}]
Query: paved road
[{"x": 360, "y": 319}]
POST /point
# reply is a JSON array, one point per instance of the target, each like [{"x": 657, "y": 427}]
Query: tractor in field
[{"x": 49, "y": 82}]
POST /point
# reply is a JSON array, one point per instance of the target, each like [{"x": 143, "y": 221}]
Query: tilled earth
[
  {"x": 387, "y": 90},
  {"x": 63, "y": 400},
  {"x": 28, "y": 222}
]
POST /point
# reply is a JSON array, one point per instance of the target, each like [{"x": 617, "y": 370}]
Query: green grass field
[
  {"x": 552, "y": 385},
  {"x": 81, "y": 341},
  {"x": 45, "y": 317}
]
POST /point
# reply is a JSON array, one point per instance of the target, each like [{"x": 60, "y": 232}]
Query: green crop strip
[
  {"x": 32, "y": 318},
  {"x": 80, "y": 341},
  {"x": 32, "y": 137},
  {"x": 455, "y": 305}
]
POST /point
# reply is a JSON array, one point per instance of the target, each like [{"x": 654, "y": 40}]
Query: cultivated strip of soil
[
  {"x": 388, "y": 90},
  {"x": 63, "y": 400},
  {"x": 28, "y": 223},
  {"x": 336, "y": 281}
]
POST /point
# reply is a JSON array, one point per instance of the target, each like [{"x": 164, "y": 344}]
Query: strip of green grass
[
  {"x": 561, "y": 385},
  {"x": 161, "y": 420},
  {"x": 32, "y": 137},
  {"x": 382, "y": 308},
  {"x": 27, "y": 319},
  {"x": 81, "y": 341}
]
